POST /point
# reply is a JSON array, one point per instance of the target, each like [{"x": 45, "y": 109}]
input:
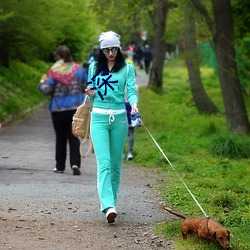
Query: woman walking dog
[{"x": 108, "y": 78}]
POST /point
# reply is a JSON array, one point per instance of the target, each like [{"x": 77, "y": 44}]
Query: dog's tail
[{"x": 175, "y": 213}]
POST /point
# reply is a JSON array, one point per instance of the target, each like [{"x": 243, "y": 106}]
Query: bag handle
[
  {"x": 91, "y": 148},
  {"x": 87, "y": 137},
  {"x": 85, "y": 99}
]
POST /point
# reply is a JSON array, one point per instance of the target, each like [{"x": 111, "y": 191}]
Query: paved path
[
  {"x": 27, "y": 160},
  {"x": 141, "y": 78},
  {"x": 26, "y": 163}
]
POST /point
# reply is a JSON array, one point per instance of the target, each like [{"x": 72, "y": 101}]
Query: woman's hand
[
  {"x": 134, "y": 109},
  {"x": 89, "y": 92},
  {"x": 43, "y": 79}
]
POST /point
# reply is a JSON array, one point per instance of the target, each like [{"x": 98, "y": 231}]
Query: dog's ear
[
  {"x": 228, "y": 237},
  {"x": 214, "y": 235}
]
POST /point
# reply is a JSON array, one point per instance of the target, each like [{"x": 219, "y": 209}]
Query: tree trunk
[
  {"x": 223, "y": 38},
  {"x": 159, "y": 47},
  {"x": 201, "y": 99},
  {"x": 235, "y": 109}
]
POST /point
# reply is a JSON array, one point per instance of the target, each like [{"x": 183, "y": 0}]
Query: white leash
[{"x": 174, "y": 169}]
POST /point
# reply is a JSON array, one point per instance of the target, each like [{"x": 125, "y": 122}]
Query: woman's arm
[{"x": 46, "y": 85}]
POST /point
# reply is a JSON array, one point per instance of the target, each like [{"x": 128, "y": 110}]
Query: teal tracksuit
[{"x": 109, "y": 128}]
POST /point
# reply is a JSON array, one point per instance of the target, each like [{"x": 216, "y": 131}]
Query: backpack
[{"x": 81, "y": 125}]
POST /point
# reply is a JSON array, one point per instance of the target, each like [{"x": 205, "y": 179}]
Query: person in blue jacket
[
  {"x": 65, "y": 83},
  {"x": 108, "y": 78}
]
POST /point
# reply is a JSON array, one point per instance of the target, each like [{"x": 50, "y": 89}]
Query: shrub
[
  {"x": 224, "y": 200},
  {"x": 231, "y": 146}
]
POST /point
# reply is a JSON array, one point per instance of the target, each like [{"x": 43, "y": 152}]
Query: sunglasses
[{"x": 106, "y": 51}]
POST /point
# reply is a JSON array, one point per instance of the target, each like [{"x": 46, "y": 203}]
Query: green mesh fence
[
  {"x": 207, "y": 55},
  {"x": 208, "y": 58}
]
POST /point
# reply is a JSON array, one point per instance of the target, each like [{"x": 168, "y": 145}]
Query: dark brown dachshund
[{"x": 204, "y": 229}]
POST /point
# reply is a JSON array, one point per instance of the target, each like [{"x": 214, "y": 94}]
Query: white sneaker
[
  {"x": 58, "y": 171},
  {"x": 111, "y": 214},
  {"x": 130, "y": 156}
]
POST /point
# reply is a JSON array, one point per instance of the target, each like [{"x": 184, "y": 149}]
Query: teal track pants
[{"x": 108, "y": 139}]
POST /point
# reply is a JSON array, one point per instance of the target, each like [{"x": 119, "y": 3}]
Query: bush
[
  {"x": 19, "y": 88},
  {"x": 224, "y": 200},
  {"x": 219, "y": 182},
  {"x": 231, "y": 146}
]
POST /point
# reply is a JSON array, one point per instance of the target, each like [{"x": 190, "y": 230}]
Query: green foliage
[
  {"x": 241, "y": 17},
  {"x": 19, "y": 87},
  {"x": 219, "y": 183},
  {"x": 128, "y": 18},
  {"x": 170, "y": 230},
  {"x": 29, "y": 33},
  {"x": 175, "y": 25},
  {"x": 243, "y": 59},
  {"x": 231, "y": 146},
  {"x": 224, "y": 200},
  {"x": 176, "y": 18}
]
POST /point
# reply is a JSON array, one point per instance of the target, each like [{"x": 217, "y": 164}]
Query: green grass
[{"x": 214, "y": 164}]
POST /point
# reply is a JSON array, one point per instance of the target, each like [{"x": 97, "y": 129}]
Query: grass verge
[
  {"x": 214, "y": 164},
  {"x": 19, "y": 89}
]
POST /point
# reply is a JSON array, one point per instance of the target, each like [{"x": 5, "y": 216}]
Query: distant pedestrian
[
  {"x": 65, "y": 84},
  {"x": 92, "y": 56},
  {"x": 128, "y": 109},
  {"x": 147, "y": 54},
  {"x": 138, "y": 55}
]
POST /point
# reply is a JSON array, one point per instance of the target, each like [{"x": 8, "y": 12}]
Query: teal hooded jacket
[{"x": 111, "y": 87}]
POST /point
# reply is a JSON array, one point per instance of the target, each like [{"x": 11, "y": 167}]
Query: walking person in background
[
  {"x": 93, "y": 55},
  {"x": 147, "y": 54},
  {"x": 131, "y": 129},
  {"x": 65, "y": 84},
  {"x": 138, "y": 52},
  {"x": 109, "y": 125}
]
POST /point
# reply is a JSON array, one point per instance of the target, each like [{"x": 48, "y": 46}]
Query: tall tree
[
  {"x": 159, "y": 46},
  {"x": 201, "y": 99},
  {"x": 223, "y": 38}
]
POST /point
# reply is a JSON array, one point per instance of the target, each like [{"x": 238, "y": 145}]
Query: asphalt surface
[{"x": 26, "y": 164}]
